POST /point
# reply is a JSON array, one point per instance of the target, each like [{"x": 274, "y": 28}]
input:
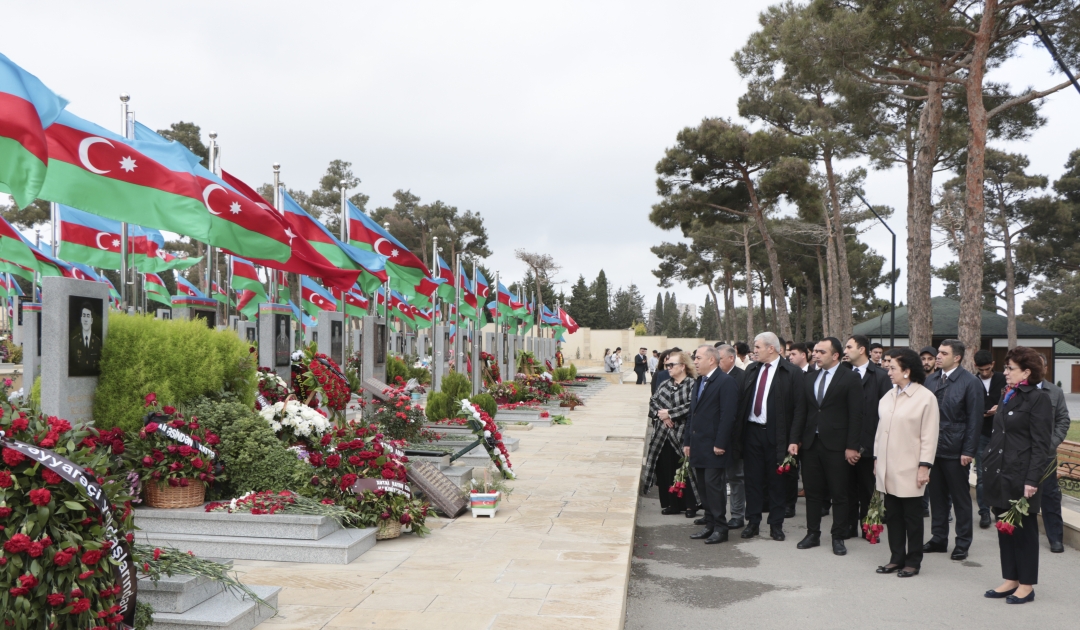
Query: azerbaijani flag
[
  {"x": 404, "y": 269},
  {"x": 6, "y": 282},
  {"x": 27, "y": 108},
  {"x": 245, "y": 276},
  {"x": 423, "y": 318},
  {"x": 6, "y": 266},
  {"x": 283, "y": 291},
  {"x": 339, "y": 254},
  {"x": 219, "y": 294},
  {"x": 249, "y": 302},
  {"x": 399, "y": 306},
  {"x": 88, "y": 238},
  {"x": 447, "y": 289},
  {"x": 183, "y": 287},
  {"x": 314, "y": 298},
  {"x": 356, "y": 304},
  {"x": 155, "y": 289},
  {"x": 14, "y": 248},
  {"x": 483, "y": 287}
]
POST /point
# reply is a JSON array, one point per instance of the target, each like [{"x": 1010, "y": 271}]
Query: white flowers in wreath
[{"x": 302, "y": 420}]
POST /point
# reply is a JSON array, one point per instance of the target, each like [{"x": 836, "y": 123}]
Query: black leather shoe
[
  {"x": 935, "y": 547},
  {"x": 838, "y": 547},
  {"x": 888, "y": 568},
  {"x": 705, "y": 533},
  {"x": 1056, "y": 546},
  {"x": 751, "y": 530},
  {"x": 736, "y": 523},
  {"x": 984, "y": 520},
  {"x": 691, "y": 513},
  {"x": 717, "y": 537},
  {"x": 926, "y": 513},
  {"x": 959, "y": 553},
  {"x": 776, "y": 532},
  {"x": 1013, "y": 599},
  {"x": 668, "y": 511},
  {"x": 992, "y": 594},
  {"x": 812, "y": 539},
  {"x": 789, "y": 512},
  {"x": 907, "y": 573},
  {"x": 701, "y": 521}
]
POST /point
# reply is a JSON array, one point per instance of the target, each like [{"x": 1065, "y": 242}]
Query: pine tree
[
  {"x": 601, "y": 300},
  {"x": 708, "y": 326},
  {"x": 688, "y": 326},
  {"x": 656, "y": 317},
  {"x": 671, "y": 316},
  {"x": 580, "y": 304}
]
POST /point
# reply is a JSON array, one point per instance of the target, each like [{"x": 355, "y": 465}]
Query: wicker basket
[
  {"x": 166, "y": 496},
  {"x": 388, "y": 529}
]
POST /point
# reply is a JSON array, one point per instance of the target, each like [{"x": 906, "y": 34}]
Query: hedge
[{"x": 179, "y": 360}]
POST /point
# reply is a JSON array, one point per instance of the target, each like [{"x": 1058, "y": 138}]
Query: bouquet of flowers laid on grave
[
  {"x": 1018, "y": 508},
  {"x": 358, "y": 452},
  {"x": 486, "y": 429},
  {"x": 65, "y": 525},
  {"x": 872, "y": 525},
  {"x": 504, "y": 392},
  {"x": 486, "y": 494},
  {"x": 324, "y": 377},
  {"x": 787, "y": 465},
  {"x": 570, "y": 399},
  {"x": 399, "y": 418},
  {"x": 558, "y": 419},
  {"x": 155, "y": 562},
  {"x": 284, "y": 502},
  {"x": 296, "y": 423},
  {"x": 519, "y": 405},
  {"x": 489, "y": 369},
  {"x": 174, "y": 452},
  {"x": 558, "y": 358},
  {"x": 526, "y": 362},
  {"x": 682, "y": 477},
  {"x": 271, "y": 388}
]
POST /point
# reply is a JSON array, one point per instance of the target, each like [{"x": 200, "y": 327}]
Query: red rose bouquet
[
  {"x": 272, "y": 388},
  {"x": 872, "y": 525},
  {"x": 787, "y": 465},
  {"x": 398, "y": 418},
  {"x": 682, "y": 477},
  {"x": 489, "y": 369},
  {"x": 324, "y": 377},
  {"x": 1018, "y": 508},
  {"x": 175, "y": 451}
]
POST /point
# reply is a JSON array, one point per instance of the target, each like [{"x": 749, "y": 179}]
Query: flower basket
[
  {"x": 570, "y": 405},
  {"x": 484, "y": 503},
  {"x": 171, "y": 497},
  {"x": 390, "y": 528}
]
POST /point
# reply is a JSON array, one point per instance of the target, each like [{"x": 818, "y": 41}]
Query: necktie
[
  {"x": 762, "y": 380},
  {"x": 821, "y": 386},
  {"x": 701, "y": 387}
]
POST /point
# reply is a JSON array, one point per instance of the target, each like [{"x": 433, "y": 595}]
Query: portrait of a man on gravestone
[
  {"x": 336, "y": 337},
  {"x": 315, "y": 337},
  {"x": 281, "y": 341},
  {"x": 85, "y": 316},
  {"x": 249, "y": 334}
]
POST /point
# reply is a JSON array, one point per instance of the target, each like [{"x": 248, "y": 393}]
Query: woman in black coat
[{"x": 1015, "y": 463}]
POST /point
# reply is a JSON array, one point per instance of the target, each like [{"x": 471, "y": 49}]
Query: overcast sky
[{"x": 548, "y": 118}]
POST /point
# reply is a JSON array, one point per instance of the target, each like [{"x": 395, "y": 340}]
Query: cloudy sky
[{"x": 546, "y": 117}]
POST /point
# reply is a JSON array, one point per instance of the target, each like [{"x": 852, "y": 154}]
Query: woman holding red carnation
[
  {"x": 669, "y": 410},
  {"x": 1013, "y": 467},
  {"x": 904, "y": 449}
]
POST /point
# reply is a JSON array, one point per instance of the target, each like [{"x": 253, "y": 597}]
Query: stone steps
[
  {"x": 278, "y": 537},
  {"x": 224, "y": 611}
]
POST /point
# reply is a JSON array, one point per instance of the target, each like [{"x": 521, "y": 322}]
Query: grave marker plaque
[
  {"x": 275, "y": 330},
  {"x": 74, "y": 313},
  {"x": 440, "y": 491}
]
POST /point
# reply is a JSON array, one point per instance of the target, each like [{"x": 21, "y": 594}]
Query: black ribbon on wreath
[
  {"x": 76, "y": 475},
  {"x": 178, "y": 436}
]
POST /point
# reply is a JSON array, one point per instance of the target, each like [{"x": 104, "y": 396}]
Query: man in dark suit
[
  {"x": 641, "y": 365},
  {"x": 769, "y": 404},
  {"x": 828, "y": 435},
  {"x": 84, "y": 347},
  {"x": 993, "y": 384},
  {"x": 875, "y": 384},
  {"x": 735, "y": 480},
  {"x": 707, "y": 441}
]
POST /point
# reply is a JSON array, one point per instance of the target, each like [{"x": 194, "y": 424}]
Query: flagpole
[
  {"x": 458, "y": 345},
  {"x": 498, "y": 330},
  {"x": 209, "y": 279},
  {"x": 272, "y": 273},
  {"x": 124, "y": 98}
]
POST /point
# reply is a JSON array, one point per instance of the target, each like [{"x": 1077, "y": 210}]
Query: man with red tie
[{"x": 768, "y": 406}]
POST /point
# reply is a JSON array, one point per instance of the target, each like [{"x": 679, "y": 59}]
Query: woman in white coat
[{"x": 904, "y": 450}]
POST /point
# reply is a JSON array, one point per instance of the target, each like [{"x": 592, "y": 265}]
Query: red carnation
[
  {"x": 1005, "y": 528},
  {"x": 85, "y": 574},
  {"x": 151, "y": 427},
  {"x": 50, "y": 476},
  {"x": 151, "y": 399},
  {"x": 5, "y": 512},
  {"x": 197, "y": 463},
  {"x": 157, "y": 553},
  {"x": 333, "y": 461},
  {"x": 55, "y": 599},
  {"x": 80, "y": 606},
  {"x": 148, "y": 461},
  {"x": 27, "y": 580},
  {"x": 5, "y": 479},
  {"x": 41, "y": 496},
  {"x": 19, "y": 591},
  {"x": 91, "y": 558},
  {"x": 35, "y": 549},
  {"x": 64, "y": 556},
  {"x": 168, "y": 409},
  {"x": 19, "y": 424},
  {"x": 13, "y": 458}
]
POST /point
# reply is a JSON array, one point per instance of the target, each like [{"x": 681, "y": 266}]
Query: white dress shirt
[
  {"x": 773, "y": 365},
  {"x": 828, "y": 376}
]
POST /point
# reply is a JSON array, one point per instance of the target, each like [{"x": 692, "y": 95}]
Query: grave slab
[{"x": 69, "y": 375}]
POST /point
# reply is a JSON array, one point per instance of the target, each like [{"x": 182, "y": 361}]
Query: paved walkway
[{"x": 555, "y": 557}]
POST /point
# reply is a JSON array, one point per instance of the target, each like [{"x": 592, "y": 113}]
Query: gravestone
[
  {"x": 373, "y": 349},
  {"x": 331, "y": 331},
  {"x": 163, "y": 313},
  {"x": 395, "y": 343},
  {"x": 438, "y": 358},
  {"x": 31, "y": 344},
  {"x": 276, "y": 333},
  {"x": 410, "y": 345},
  {"x": 462, "y": 349},
  {"x": 423, "y": 345},
  {"x": 248, "y": 331},
  {"x": 17, "y": 329},
  {"x": 357, "y": 339},
  {"x": 477, "y": 368},
  {"x": 188, "y": 307},
  {"x": 76, "y": 316}
]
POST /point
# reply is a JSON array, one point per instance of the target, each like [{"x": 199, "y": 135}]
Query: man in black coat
[
  {"x": 875, "y": 384},
  {"x": 641, "y": 365},
  {"x": 769, "y": 404},
  {"x": 735, "y": 479},
  {"x": 960, "y": 408},
  {"x": 828, "y": 435},
  {"x": 993, "y": 384},
  {"x": 707, "y": 441}
]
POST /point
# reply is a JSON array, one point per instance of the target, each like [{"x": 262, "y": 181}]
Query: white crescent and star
[
  {"x": 97, "y": 240},
  {"x": 84, "y": 153},
  {"x": 376, "y": 247},
  {"x": 206, "y": 197}
]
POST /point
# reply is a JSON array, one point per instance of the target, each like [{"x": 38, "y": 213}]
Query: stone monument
[
  {"x": 331, "y": 333},
  {"x": 477, "y": 368},
  {"x": 75, "y": 313},
  {"x": 163, "y": 313},
  {"x": 438, "y": 356},
  {"x": 373, "y": 355},
  {"x": 276, "y": 333},
  {"x": 31, "y": 344},
  {"x": 188, "y": 307}
]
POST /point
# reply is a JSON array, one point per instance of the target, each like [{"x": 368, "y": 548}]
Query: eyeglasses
[{"x": 668, "y": 366}]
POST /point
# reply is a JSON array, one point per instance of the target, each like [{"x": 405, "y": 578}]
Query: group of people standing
[{"x": 853, "y": 419}]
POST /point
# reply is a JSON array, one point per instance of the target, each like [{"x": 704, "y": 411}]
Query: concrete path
[
  {"x": 556, "y": 555},
  {"x": 683, "y": 584}
]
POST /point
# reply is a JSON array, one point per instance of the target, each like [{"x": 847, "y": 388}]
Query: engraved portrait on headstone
[
  {"x": 249, "y": 334},
  {"x": 281, "y": 340},
  {"x": 336, "y": 341},
  {"x": 315, "y": 337},
  {"x": 380, "y": 344},
  {"x": 84, "y": 329}
]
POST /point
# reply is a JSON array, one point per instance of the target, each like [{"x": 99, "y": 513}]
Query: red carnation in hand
[
  {"x": 1005, "y": 528},
  {"x": 41, "y": 496}
]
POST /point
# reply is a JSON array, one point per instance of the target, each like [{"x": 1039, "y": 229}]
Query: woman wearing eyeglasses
[{"x": 669, "y": 410}]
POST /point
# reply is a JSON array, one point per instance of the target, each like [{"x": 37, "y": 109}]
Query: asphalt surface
[{"x": 682, "y": 584}]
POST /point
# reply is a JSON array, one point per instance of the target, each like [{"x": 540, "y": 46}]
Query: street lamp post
[{"x": 892, "y": 312}]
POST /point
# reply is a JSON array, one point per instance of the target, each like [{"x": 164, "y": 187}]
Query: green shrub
[
  {"x": 421, "y": 374},
  {"x": 456, "y": 385},
  {"x": 573, "y": 371},
  {"x": 254, "y": 457},
  {"x": 556, "y": 388},
  {"x": 485, "y": 402},
  {"x": 14, "y": 351},
  {"x": 179, "y": 360},
  {"x": 35, "y": 394},
  {"x": 561, "y": 374},
  {"x": 396, "y": 367},
  {"x": 437, "y": 407}
]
